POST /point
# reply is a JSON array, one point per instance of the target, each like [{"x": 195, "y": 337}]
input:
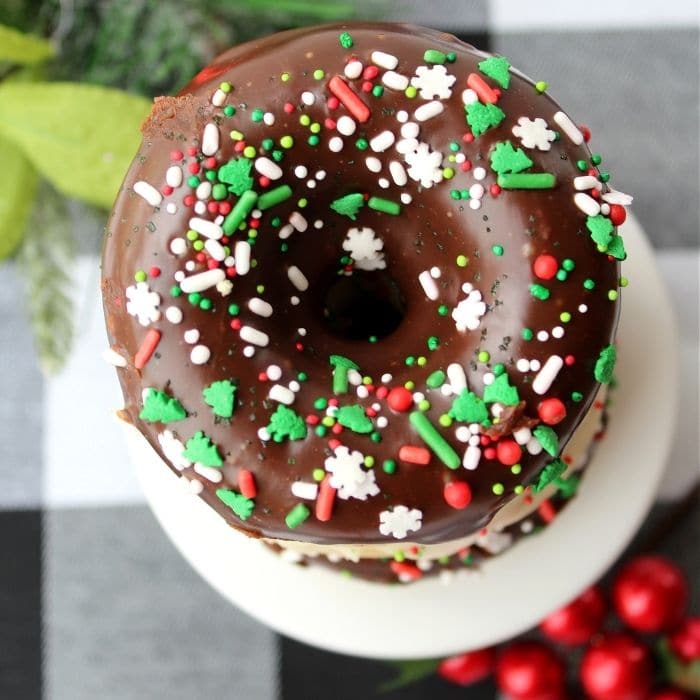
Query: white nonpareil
[
  {"x": 365, "y": 248},
  {"x": 400, "y": 521},
  {"x": 534, "y": 133},
  {"x": 467, "y": 314}
]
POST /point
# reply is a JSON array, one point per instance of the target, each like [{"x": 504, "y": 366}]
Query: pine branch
[{"x": 45, "y": 258}]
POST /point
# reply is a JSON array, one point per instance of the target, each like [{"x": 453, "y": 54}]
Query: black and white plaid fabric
[{"x": 95, "y": 602}]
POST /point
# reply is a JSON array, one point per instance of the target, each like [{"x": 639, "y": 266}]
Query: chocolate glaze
[{"x": 431, "y": 231}]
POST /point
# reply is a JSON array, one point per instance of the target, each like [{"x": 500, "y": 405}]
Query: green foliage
[
  {"x": 220, "y": 396},
  {"x": 162, "y": 408},
  {"x": 468, "y": 407},
  {"x": 286, "y": 423},
  {"x": 16, "y": 47},
  {"x": 408, "y": 672},
  {"x": 497, "y": 68},
  {"x": 243, "y": 507},
  {"x": 18, "y": 182},
  {"x": 481, "y": 117},
  {"x": 506, "y": 159},
  {"x": 354, "y": 417},
  {"x": 82, "y": 138},
  {"x": 200, "y": 448}
]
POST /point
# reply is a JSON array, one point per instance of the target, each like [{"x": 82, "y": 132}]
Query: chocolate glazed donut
[{"x": 361, "y": 284}]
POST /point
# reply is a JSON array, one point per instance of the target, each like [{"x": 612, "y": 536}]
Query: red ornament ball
[
  {"x": 685, "y": 641},
  {"x": 400, "y": 399},
  {"x": 551, "y": 411},
  {"x": 530, "y": 671},
  {"x": 578, "y": 621},
  {"x": 468, "y": 668},
  {"x": 508, "y": 452},
  {"x": 618, "y": 214},
  {"x": 650, "y": 594},
  {"x": 545, "y": 267},
  {"x": 617, "y": 667},
  {"x": 458, "y": 494}
]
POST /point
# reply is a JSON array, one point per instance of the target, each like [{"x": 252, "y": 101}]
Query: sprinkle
[
  {"x": 148, "y": 192},
  {"x": 335, "y": 144},
  {"x": 202, "y": 280},
  {"x": 548, "y": 373},
  {"x": 457, "y": 377},
  {"x": 325, "y": 500},
  {"x": 384, "y": 60},
  {"x": 345, "y": 40},
  {"x": 241, "y": 253},
  {"x": 374, "y": 165},
  {"x": 434, "y": 440},
  {"x": 298, "y": 221},
  {"x": 349, "y": 99},
  {"x": 382, "y": 141},
  {"x": 586, "y": 204},
  {"x": 274, "y": 197},
  {"x": 210, "y": 139},
  {"x": 434, "y": 56},
  {"x": 527, "y": 181},
  {"x": 398, "y": 172},
  {"x": 297, "y": 278},
  {"x": 395, "y": 81},
  {"x": 268, "y": 168},
  {"x": 482, "y": 89},
  {"x": 282, "y": 394},
  {"x": 346, "y": 125},
  {"x": 539, "y": 292},
  {"x": 112, "y": 357},
  {"x": 471, "y": 458},
  {"x": 173, "y": 176},
  {"x": 260, "y": 307},
  {"x": 428, "y": 110},
  {"x": 297, "y": 516},
  {"x": 200, "y": 354},
  {"x": 353, "y": 70},
  {"x": 239, "y": 212},
  {"x": 428, "y": 283},
  {"x": 215, "y": 249},
  {"x": 218, "y": 98},
  {"x": 385, "y": 206},
  {"x": 254, "y": 336},
  {"x": 586, "y": 182},
  {"x": 305, "y": 489},
  {"x": 569, "y": 128},
  {"x": 414, "y": 454},
  {"x": 246, "y": 483},
  {"x": 147, "y": 348}
]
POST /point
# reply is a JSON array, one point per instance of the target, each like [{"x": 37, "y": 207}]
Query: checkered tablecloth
[{"x": 94, "y": 600}]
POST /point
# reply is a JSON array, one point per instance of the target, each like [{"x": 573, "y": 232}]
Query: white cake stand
[{"x": 515, "y": 590}]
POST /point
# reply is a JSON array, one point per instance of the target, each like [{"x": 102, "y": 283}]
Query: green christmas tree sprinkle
[
  {"x": 236, "y": 174},
  {"x": 547, "y": 438},
  {"x": 605, "y": 364},
  {"x": 604, "y": 236},
  {"x": 354, "y": 417},
  {"x": 549, "y": 474},
  {"x": 481, "y": 117},
  {"x": 220, "y": 396},
  {"x": 349, "y": 205},
  {"x": 497, "y": 68},
  {"x": 200, "y": 448},
  {"x": 568, "y": 487},
  {"x": 501, "y": 391},
  {"x": 286, "y": 423},
  {"x": 160, "y": 407},
  {"x": 468, "y": 407},
  {"x": 243, "y": 507},
  {"x": 506, "y": 159}
]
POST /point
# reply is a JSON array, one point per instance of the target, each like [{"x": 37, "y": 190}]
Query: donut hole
[{"x": 363, "y": 305}]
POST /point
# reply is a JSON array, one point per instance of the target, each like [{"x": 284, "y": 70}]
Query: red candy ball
[
  {"x": 468, "y": 668},
  {"x": 400, "y": 399},
  {"x": 685, "y": 641},
  {"x": 650, "y": 594},
  {"x": 530, "y": 671},
  {"x": 618, "y": 214},
  {"x": 458, "y": 494},
  {"x": 508, "y": 452},
  {"x": 578, "y": 621},
  {"x": 551, "y": 411},
  {"x": 617, "y": 667},
  {"x": 545, "y": 267}
]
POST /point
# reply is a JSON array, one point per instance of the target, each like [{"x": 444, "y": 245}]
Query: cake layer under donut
[{"x": 361, "y": 284}]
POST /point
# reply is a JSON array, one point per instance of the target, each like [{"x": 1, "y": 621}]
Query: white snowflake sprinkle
[
  {"x": 348, "y": 476},
  {"x": 425, "y": 165},
  {"x": 467, "y": 314},
  {"x": 434, "y": 82},
  {"x": 225, "y": 287},
  {"x": 143, "y": 303},
  {"x": 365, "y": 248},
  {"x": 173, "y": 450},
  {"x": 400, "y": 521},
  {"x": 534, "y": 134}
]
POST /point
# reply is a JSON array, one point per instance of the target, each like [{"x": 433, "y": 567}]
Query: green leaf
[
  {"x": 243, "y": 507},
  {"x": 408, "y": 672},
  {"x": 481, "y": 117},
  {"x": 500, "y": 390},
  {"x": 506, "y": 159},
  {"x": 82, "y": 138},
  {"x": 45, "y": 261},
  {"x": 236, "y": 174},
  {"x": 549, "y": 474},
  {"x": 18, "y": 182},
  {"x": 286, "y": 423},
  {"x": 354, "y": 417},
  {"x": 220, "y": 396},
  {"x": 497, "y": 68},
  {"x": 16, "y": 47},
  {"x": 677, "y": 672},
  {"x": 547, "y": 438},
  {"x": 469, "y": 407},
  {"x": 605, "y": 364},
  {"x": 160, "y": 407},
  {"x": 349, "y": 205},
  {"x": 200, "y": 448}
]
